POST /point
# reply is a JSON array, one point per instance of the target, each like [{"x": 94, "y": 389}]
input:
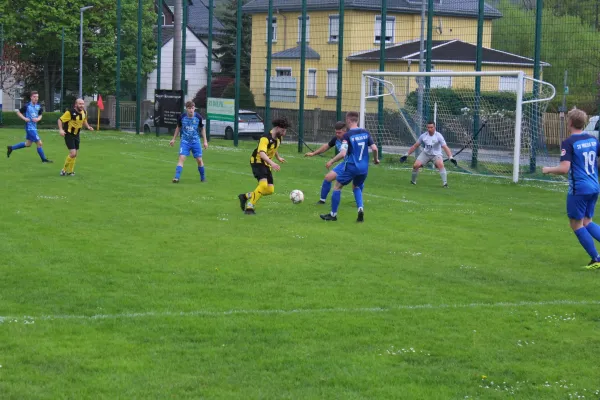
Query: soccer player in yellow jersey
[
  {"x": 262, "y": 165},
  {"x": 69, "y": 126}
]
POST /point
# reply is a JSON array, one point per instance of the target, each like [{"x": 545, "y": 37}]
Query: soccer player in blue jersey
[
  {"x": 190, "y": 125},
  {"x": 355, "y": 152},
  {"x": 336, "y": 141},
  {"x": 579, "y": 160},
  {"x": 31, "y": 113}
]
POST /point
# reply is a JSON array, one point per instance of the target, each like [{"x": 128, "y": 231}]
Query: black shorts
[
  {"x": 261, "y": 171},
  {"x": 72, "y": 141}
]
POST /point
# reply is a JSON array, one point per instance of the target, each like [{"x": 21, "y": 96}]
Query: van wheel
[
  {"x": 229, "y": 133},
  {"x": 146, "y": 129}
]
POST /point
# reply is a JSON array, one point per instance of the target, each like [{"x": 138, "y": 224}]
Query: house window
[
  {"x": 190, "y": 56},
  {"x": 307, "y": 29},
  {"x": 508, "y": 84},
  {"x": 373, "y": 86},
  {"x": 334, "y": 28},
  {"x": 390, "y": 27},
  {"x": 283, "y": 71},
  {"x": 311, "y": 90},
  {"x": 273, "y": 28},
  {"x": 331, "y": 90},
  {"x": 18, "y": 96}
]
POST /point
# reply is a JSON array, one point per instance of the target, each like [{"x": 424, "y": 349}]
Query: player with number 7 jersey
[{"x": 355, "y": 151}]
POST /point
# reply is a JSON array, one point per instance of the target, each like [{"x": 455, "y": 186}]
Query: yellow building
[{"x": 454, "y": 48}]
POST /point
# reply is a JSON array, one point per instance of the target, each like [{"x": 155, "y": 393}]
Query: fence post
[
  {"x": 158, "y": 52},
  {"x": 428, "y": 57},
  {"x": 302, "y": 79},
  {"x": 184, "y": 49},
  {"x": 382, "y": 36},
  {"x": 2, "y": 62},
  {"x": 536, "y": 87},
  {"x": 138, "y": 87},
  {"x": 238, "y": 70},
  {"x": 118, "y": 89},
  {"x": 478, "y": 62},
  {"x": 211, "y": 6},
  {"x": 268, "y": 73},
  {"x": 340, "y": 61}
]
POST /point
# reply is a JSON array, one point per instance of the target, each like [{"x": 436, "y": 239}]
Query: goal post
[{"x": 508, "y": 110}]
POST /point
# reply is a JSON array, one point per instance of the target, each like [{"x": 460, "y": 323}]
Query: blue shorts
[
  {"x": 581, "y": 206},
  {"x": 351, "y": 174},
  {"x": 339, "y": 168},
  {"x": 32, "y": 135},
  {"x": 195, "y": 148}
]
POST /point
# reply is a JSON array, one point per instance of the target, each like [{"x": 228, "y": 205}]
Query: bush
[
  {"x": 218, "y": 86},
  {"x": 246, "y": 96},
  {"x": 11, "y": 120}
]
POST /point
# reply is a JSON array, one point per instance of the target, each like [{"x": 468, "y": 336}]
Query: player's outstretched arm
[
  {"x": 375, "y": 151},
  {"x": 174, "y": 136},
  {"x": 318, "y": 151},
  {"x": 203, "y": 133},
  {"x": 561, "y": 169},
  {"x": 410, "y": 151},
  {"x": 279, "y": 158},
  {"x": 20, "y": 115}
]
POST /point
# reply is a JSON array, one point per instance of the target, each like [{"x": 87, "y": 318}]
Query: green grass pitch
[{"x": 118, "y": 284}]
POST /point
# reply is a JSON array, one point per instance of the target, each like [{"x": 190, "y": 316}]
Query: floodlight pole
[{"x": 81, "y": 10}]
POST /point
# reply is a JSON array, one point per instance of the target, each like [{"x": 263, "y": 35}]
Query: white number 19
[{"x": 590, "y": 160}]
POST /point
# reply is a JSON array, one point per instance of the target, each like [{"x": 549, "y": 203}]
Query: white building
[{"x": 196, "y": 64}]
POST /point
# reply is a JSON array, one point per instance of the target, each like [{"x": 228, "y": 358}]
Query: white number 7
[{"x": 362, "y": 149}]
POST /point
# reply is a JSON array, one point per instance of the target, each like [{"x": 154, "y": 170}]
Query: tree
[
  {"x": 13, "y": 70},
  {"x": 227, "y": 43},
  {"x": 246, "y": 96},
  {"x": 37, "y": 27},
  {"x": 218, "y": 86},
  {"x": 566, "y": 44}
]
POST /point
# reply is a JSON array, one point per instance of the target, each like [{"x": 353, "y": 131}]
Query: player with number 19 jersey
[{"x": 581, "y": 150}]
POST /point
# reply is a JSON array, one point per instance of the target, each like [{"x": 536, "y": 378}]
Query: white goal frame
[{"x": 520, "y": 75}]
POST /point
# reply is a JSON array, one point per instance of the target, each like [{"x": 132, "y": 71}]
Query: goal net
[{"x": 493, "y": 121}]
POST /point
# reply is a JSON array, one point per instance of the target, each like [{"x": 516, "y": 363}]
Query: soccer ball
[{"x": 297, "y": 196}]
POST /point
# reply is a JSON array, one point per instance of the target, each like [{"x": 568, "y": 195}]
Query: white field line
[{"x": 303, "y": 311}]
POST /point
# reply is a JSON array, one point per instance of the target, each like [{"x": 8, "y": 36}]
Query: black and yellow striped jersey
[
  {"x": 268, "y": 145},
  {"x": 74, "y": 120}
]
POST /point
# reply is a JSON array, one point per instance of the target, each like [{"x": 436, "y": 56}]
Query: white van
[{"x": 594, "y": 126}]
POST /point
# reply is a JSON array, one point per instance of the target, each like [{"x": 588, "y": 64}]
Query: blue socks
[
  {"x": 325, "y": 188},
  {"x": 358, "y": 196},
  {"x": 201, "y": 170},
  {"x": 335, "y": 201},
  {"x": 41, "y": 153},
  {"x": 178, "y": 171},
  {"x": 587, "y": 242},
  {"x": 594, "y": 230},
  {"x": 18, "y": 146}
]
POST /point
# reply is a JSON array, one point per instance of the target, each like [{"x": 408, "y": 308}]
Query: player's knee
[
  {"x": 200, "y": 162},
  {"x": 270, "y": 189},
  {"x": 39, "y": 143},
  {"x": 27, "y": 144}
]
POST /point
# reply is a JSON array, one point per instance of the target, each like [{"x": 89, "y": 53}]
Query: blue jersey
[
  {"x": 31, "y": 111},
  {"x": 357, "y": 142},
  {"x": 582, "y": 151},
  {"x": 190, "y": 127},
  {"x": 335, "y": 142}
]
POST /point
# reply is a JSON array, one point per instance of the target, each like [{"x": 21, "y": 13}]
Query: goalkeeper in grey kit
[{"x": 433, "y": 143}]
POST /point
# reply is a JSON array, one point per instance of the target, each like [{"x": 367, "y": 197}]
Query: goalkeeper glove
[
  {"x": 403, "y": 158},
  {"x": 453, "y": 161}
]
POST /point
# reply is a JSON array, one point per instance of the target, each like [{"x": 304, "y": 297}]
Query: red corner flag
[{"x": 100, "y": 103}]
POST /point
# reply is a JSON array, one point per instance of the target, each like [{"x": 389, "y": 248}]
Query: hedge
[
  {"x": 49, "y": 120},
  {"x": 455, "y": 100}
]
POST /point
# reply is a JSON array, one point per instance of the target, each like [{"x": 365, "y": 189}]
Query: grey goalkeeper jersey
[{"x": 432, "y": 144}]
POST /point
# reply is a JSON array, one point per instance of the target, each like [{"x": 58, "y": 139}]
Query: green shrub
[{"x": 11, "y": 120}]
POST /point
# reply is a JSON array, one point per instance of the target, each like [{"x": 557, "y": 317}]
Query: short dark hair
[
  {"x": 352, "y": 116},
  {"x": 340, "y": 126},
  {"x": 431, "y": 123},
  {"x": 33, "y": 92},
  {"x": 281, "y": 122},
  {"x": 190, "y": 104}
]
